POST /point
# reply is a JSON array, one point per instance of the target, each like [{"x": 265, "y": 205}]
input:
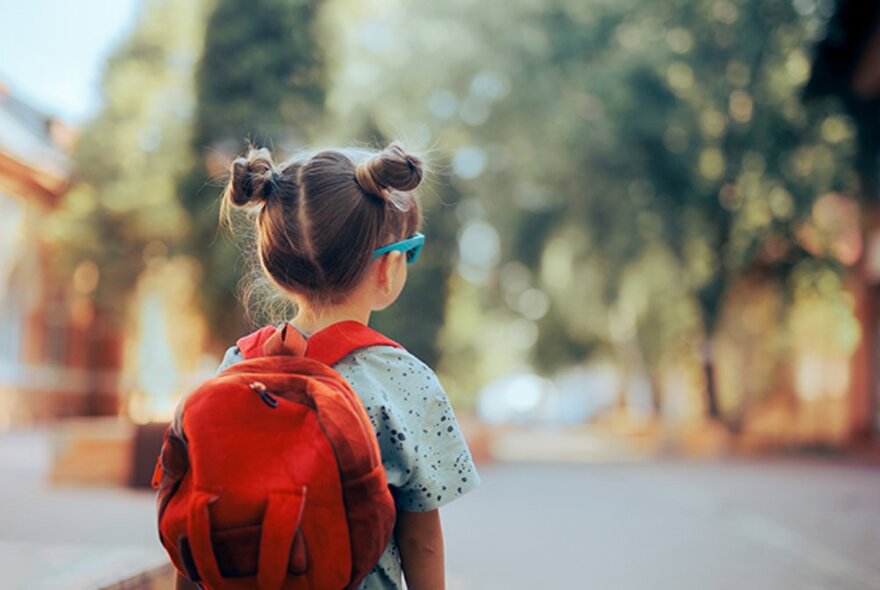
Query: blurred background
[{"x": 650, "y": 285}]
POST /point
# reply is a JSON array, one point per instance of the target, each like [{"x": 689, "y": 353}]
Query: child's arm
[{"x": 420, "y": 541}]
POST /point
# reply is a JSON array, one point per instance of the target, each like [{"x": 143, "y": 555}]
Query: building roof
[{"x": 34, "y": 151}]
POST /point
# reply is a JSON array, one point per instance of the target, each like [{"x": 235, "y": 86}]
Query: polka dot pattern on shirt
[{"x": 424, "y": 453}]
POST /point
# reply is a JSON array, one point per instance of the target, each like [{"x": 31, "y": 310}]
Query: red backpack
[{"x": 270, "y": 477}]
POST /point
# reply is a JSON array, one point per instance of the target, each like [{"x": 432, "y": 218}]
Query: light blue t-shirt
[{"x": 426, "y": 459}]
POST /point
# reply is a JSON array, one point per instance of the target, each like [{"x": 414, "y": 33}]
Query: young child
[{"x": 335, "y": 233}]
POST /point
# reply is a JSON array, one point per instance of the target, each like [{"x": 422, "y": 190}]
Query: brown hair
[{"x": 320, "y": 217}]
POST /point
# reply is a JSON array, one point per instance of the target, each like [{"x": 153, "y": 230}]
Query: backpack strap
[
  {"x": 338, "y": 340},
  {"x": 251, "y": 346},
  {"x": 328, "y": 346}
]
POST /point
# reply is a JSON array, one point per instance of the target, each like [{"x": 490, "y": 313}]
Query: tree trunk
[
  {"x": 656, "y": 394},
  {"x": 713, "y": 409}
]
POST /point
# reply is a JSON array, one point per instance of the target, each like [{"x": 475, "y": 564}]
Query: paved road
[
  {"x": 677, "y": 526},
  {"x": 67, "y": 538}
]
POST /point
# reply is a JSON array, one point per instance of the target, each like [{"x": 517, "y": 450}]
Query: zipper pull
[{"x": 260, "y": 388}]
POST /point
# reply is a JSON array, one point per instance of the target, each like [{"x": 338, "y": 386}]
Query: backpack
[{"x": 270, "y": 475}]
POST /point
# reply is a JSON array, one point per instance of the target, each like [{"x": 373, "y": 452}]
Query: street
[
  {"x": 774, "y": 524},
  {"x": 681, "y": 526}
]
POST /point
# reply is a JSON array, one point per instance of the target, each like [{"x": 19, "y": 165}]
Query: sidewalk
[
  {"x": 71, "y": 538},
  {"x": 618, "y": 443}
]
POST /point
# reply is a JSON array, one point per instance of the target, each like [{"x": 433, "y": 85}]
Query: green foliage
[
  {"x": 601, "y": 172},
  {"x": 379, "y": 93},
  {"x": 637, "y": 160},
  {"x": 261, "y": 75},
  {"x": 123, "y": 205},
  {"x": 260, "y": 78}
]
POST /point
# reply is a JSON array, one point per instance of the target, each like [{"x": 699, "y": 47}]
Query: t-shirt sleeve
[
  {"x": 232, "y": 356},
  {"x": 424, "y": 452},
  {"x": 442, "y": 468}
]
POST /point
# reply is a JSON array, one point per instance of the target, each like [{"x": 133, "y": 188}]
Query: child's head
[{"x": 322, "y": 216}]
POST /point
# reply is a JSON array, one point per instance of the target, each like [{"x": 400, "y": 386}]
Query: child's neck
[{"x": 310, "y": 320}]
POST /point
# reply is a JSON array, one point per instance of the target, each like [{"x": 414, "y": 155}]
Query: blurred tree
[
  {"x": 732, "y": 178},
  {"x": 261, "y": 78},
  {"x": 380, "y": 93},
  {"x": 603, "y": 172},
  {"x": 130, "y": 154},
  {"x": 122, "y": 209},
  {"x": 846, "y": 67},
  {"x": 593, "y": 134}
]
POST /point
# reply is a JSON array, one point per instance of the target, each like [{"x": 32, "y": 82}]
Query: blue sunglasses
[{"x": 410, "y": 246}]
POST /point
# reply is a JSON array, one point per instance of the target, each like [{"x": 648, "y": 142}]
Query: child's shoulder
[
  {"x": 387, "y": 358},
  {"x": 391, "y": 368},
  {"x": 382, "y": 361}
]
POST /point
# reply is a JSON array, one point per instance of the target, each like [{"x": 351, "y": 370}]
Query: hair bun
[
  {"x": 253, "y": 178},
  {"x": 392, "y": 168}
]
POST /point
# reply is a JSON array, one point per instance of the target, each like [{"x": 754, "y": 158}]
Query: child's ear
[{"x": 386, "y": 270}]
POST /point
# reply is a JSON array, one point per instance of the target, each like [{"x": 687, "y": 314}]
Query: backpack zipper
[{"x": 260, "y": 388}]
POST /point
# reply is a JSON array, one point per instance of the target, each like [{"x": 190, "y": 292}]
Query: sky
[{"x": 52, "y": 52}]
